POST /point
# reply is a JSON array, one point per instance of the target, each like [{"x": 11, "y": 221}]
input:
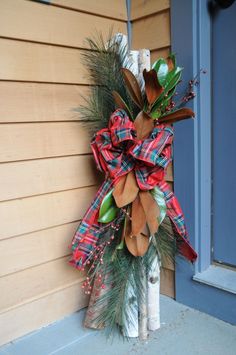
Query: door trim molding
[
  {"x": 190, "y": 39},
  {"x": 191, "y": 44}
]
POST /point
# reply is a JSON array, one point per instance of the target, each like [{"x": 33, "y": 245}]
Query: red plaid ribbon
[{"x": 117, "y": 151}]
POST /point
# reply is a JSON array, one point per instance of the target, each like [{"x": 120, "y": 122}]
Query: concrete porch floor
[{"x": 184, "y": 331}]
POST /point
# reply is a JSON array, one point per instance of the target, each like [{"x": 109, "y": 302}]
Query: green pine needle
[
  {"x": 104, "y": 61},
  {"x": 122, "y": 269}
]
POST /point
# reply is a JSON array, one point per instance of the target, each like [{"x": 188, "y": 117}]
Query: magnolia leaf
[
  {"x": 158, "y": 195},
  {"x": 108, "y": 209},
  {"x": 120, "y": 103},
  {"x": 177, "y": 115},
  {"x": 153, "y": 88},
  {"x": 138, "y": 216},
  {"x": 125, "y": 190},
  {"x": 162, "y": 69},
  {"x": 162, "y": 73},
  {"x": 151, "y": 210},
  {"x": 136, "y": 244},
  {"x": 156, "y": 114},
  {"x": 143, "y": 124},
  {"x": 173, "y": 78},
  {"x": 171, "y": 82},
  {"x": 109, "y": 216},
  {"x": 133, "y": 87},
  {"x": 171, "y": 62},
  {"x": 156, "y": 65}
]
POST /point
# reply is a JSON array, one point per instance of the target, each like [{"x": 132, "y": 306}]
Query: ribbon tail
[
  {"x": 87, "y": 234},
  {"x": 174, "y": 212}
]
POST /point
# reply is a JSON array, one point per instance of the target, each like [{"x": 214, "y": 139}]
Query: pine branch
[
  {"x": 104, "y": 61},
  {"x": 120, "y": 269}
]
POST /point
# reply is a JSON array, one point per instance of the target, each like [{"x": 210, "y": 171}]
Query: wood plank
[
  {"x": 36, "y": 248},
  {"x": 167, "y": 282},
  {"x": 41, "y": 312},
  {"x": 34, "y": 21},
  {"x": 21, "y": 141},
  {"x": 39, "y": 140},
  {"x": 159, "y": 53},
  {"x": 27, "y": 61},
  {"x": 151, "y": 32},
  {"x": 141, "y": 8},
  {"x": 38, "y": 212},
  {"x": 168, "y": 264},
  {"x": 34, "y": 177},
  {"x": 37, "y": 282},
  {"x": 102, "y": 7},
  {"x": 169, "y": 173},
  {"x": 40, "y": 102}
]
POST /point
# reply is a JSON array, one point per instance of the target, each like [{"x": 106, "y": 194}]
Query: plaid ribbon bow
[{"x": 117, "y": 151}]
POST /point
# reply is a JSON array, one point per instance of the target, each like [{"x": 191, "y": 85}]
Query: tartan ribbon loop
[{"x": 117, "y": 151}]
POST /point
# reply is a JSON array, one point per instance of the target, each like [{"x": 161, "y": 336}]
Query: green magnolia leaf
[
  {"x": 162, "y": 73},
  {"x": 108, "y": 209},
  {"x": 161, "y": 68},
  {"x": 158, "y": 196},
  {"x": 156, "y": 114},
  {"x": 157, "y": 64},
  {"x": 172, "y": 80}
]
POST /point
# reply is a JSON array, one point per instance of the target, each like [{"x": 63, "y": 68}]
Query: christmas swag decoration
[{"x": 135, "y": 220}]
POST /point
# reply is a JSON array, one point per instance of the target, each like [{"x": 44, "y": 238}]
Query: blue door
[
  {"x": 224, "y": 135},
  {"x": 203, "y": 36}
]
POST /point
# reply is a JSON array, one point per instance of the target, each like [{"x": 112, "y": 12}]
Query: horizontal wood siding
[
  {"x": 150, "y": 22},
  {"x": 151, "y": 26},
  {"x": 40, "y": 102},
  {"x": 47, "y": 174}
]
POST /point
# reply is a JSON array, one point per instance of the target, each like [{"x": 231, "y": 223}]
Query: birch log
[
  {"x": 153, "y": 296},
  {"x": 130, "y": 325},
  {"x": 141, "y": 60},
  {"x": 143, "y": 314}
]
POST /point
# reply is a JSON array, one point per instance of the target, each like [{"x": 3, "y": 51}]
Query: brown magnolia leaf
[
  {"x": 133, "y": 87},
  {"x": 177, "y": 115},
  {"x": 126, "y": 190},
  {"x": 120, "y": 103},
  {"x": 151, "y": 210},
  {"x": 152, "y": 87},
  {"x": 143, "y": 125},
  {"x": 138, "y": 216},
  {"x": 170, "y": 63},
  {"x": 137, "y": 245}
]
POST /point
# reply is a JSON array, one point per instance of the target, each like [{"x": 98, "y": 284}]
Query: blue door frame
[{"x": 203, "y": 286}]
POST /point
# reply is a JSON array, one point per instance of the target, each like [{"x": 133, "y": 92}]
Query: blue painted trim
[
  {"x": 129, "y": 25},
  {"x": 191, "y": 39},
  {"x": 220, "y": 277}
]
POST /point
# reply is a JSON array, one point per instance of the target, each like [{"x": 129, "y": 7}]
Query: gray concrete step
[{"x": 184, "y": 331}]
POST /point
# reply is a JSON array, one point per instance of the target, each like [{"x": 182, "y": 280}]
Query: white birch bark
[
  {"x": 130, "y": 324},
  {"x": 145, "y": 313},
  {"x": 141, "y": 60},
  {"x": 153, "y": 296}
]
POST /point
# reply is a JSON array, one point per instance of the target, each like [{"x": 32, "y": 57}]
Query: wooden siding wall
[
  {"x": 150, "y": 23},
  {"x": 47, "y": 175}
]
